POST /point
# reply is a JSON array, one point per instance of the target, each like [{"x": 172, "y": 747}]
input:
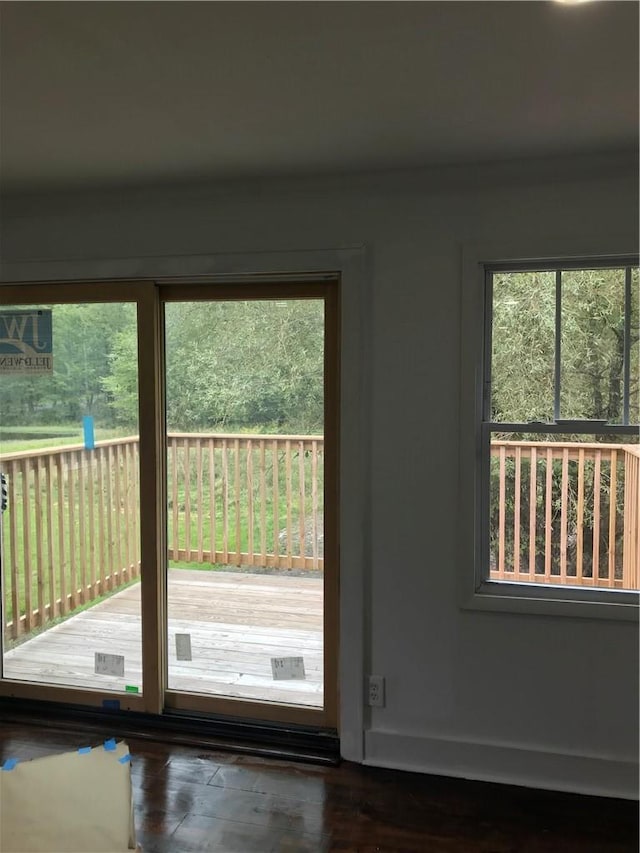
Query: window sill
[{"x": 509, "y": 597}]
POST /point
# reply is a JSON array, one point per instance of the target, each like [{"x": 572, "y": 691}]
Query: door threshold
[{"x": 250, "y": 737}]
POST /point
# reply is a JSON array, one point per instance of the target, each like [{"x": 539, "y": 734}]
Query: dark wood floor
[{"x": 189, "y": 799}]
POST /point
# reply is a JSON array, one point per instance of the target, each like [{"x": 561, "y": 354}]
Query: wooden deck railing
[
  {"x": 565, "y": 513},
  {"x": 561, "y": 513},
  {"x": 246, "y": 500},
  {"x": 71, "y": 532},
  {"x": 71, "y": 529}
]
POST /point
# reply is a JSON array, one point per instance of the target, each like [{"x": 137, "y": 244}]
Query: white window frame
[{"x": 475, "y": 590}]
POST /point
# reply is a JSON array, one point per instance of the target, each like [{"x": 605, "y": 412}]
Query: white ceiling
[{"x": 133, "y": 92}]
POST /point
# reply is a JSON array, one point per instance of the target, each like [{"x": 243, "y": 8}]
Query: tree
[
  {"x": 592, "y": 346},
  {"x": 255, "y": 364},
  {"x": 83, "y": 338},
  {"x": 121, "y": 384}
]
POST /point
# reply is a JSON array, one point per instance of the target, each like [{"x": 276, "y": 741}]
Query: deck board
[{"x": 237, "y": 621}]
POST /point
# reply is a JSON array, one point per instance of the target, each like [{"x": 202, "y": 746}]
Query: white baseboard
[{"x": 505, "y": 763}]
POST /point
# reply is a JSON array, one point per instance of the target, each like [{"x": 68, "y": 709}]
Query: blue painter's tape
[
  {"x": 10, "y": 763},
  {"x": 110, "y": 744},
  {"x": 125, "y": 759},
  {"x": 84, "y": 750},
  {"x": 89, "y": 440},
  {"x": 111, "y": 704}
]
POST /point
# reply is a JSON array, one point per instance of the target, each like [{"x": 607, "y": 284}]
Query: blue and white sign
[{"x": 26, "y": 342}]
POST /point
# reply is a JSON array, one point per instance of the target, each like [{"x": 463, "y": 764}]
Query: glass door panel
[
  {"x": 245, "y": 396},
  {"x": 70, "y": 519}
]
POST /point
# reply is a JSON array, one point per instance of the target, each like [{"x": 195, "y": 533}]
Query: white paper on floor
[
  {"x": 106, "y": 664},
  {"x": 285, "y": 669},
  {"x": 183, "y": 646},
  {"x": 76, "y": 802}
]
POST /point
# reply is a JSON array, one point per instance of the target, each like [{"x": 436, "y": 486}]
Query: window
[{"x": 558, "y": 485}]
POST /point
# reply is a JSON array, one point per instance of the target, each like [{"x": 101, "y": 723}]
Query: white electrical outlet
[{"x": 376, "y": 691}]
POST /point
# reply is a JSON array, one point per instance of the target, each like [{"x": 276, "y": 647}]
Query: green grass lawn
[{"x": 14, "y": 439}]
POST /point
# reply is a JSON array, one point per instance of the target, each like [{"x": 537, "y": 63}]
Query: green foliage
[
  {"x": 245, "y": 363},
  {"x": 121, "y": 383},
  {"x": 523, "y": 347},
  {"x": 242, "y": 365},
  {"x": 83, "y": 340},
  {"x": 592, "y": 346}
]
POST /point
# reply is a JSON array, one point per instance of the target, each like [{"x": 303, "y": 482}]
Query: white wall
[{"x": 542, "y": 701}]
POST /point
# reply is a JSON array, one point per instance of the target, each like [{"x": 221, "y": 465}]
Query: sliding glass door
[
  {"x": 169, "y": 510},
  {"x": 245, "y": 498},
  {"x": 70, "y": 515}
]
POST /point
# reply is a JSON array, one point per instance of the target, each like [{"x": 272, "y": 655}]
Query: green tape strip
[{"x": 131, "y": 688}]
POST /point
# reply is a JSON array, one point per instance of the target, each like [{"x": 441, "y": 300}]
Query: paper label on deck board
[
  {"x": 183, "y": 646},
  {"x": 109, "y": 664},
  {"x": 287, "y": 668}
]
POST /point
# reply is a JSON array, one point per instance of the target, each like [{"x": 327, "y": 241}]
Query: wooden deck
[{"x": 237, "y": 623}]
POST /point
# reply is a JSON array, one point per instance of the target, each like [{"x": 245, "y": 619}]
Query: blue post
[{"x": 89, "y": 441}]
